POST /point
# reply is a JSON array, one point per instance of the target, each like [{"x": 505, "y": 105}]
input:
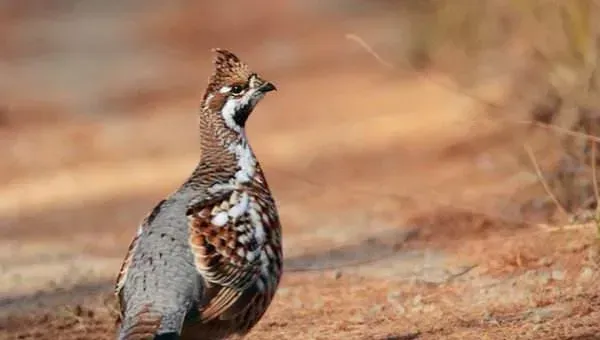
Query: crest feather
[{"x": 229, "y": 69}]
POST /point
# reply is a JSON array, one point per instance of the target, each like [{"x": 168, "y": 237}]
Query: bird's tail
[{"x": 144, "y": 325}]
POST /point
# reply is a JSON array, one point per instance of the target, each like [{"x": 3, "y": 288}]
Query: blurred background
[{"x": 448, "y": 128}]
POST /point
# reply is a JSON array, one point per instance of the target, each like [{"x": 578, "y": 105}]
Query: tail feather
[
  {"x": 152, "y": 324},
  {"x": 141, "y": 326}
]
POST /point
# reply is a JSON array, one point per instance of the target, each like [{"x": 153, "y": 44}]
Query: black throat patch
[{"x": 241, "y": 115}]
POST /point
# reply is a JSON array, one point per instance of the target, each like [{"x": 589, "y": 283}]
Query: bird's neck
[{"x": 226, "y": 155}]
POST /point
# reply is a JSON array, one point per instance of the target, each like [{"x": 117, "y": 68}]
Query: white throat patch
[{"x": 246, "y": 161}]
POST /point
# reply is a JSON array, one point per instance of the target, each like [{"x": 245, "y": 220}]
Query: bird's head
[{"x": 233, "y": 90}]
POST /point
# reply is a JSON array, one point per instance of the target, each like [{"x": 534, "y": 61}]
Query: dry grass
[{"x": 559, "y": 89}]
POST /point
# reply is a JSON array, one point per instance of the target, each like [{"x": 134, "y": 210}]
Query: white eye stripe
[{"x": 225, "y": 89}]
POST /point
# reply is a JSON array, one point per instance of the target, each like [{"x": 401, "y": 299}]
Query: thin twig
[
  {"x": 559, "y": 129},
  {"x": 543, "y": 181},
  {"x": 595, "y": 179},
  {"x": 370, "y": 50},
  {"x": 391, "y": 66},
  {"x": 596, "y": 191},
  {"x": 464, "y": 271},
  {"x": 552, "y": 229}
]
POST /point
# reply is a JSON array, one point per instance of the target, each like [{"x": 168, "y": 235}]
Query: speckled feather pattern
[
  {"x": 229, "y": 70},
  {"x": 236, "y": 242},
  {"x": 224, "y": 228}
]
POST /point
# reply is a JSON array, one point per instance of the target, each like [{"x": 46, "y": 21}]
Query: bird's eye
[{"x": 237, "y": 89}]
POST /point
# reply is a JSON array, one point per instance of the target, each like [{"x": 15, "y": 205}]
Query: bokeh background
[{"x": 424, "y": 156}]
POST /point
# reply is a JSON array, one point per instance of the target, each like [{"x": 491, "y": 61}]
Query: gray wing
[{"x": 122, "y": 275}]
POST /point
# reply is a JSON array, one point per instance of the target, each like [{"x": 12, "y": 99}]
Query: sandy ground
[{"x": 395, "y": 193}]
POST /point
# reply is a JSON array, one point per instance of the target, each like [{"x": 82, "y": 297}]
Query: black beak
[{"x": 267, "y": 87}]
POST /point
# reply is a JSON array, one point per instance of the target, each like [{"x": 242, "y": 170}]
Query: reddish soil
[{"x": 397, "y": 195}]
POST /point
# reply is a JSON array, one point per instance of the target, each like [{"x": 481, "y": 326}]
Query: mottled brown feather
[
  {"x": 229, "y": 70},
  {"x": 222, "y": 257}
]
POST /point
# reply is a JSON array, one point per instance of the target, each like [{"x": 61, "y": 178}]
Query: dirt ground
[{"x": 397, "y": 195}]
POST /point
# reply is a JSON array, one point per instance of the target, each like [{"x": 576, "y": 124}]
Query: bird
[{"x": 206, "y": 262}]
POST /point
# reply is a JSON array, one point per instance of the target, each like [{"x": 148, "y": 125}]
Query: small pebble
[
  {"x": 558, "y": 275},
  {"x": 417, "y": 300},
  {"x": 400, "y": 310},
  {"x": 586, "y": 274},
  {"x": 544, "y": 278}
]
